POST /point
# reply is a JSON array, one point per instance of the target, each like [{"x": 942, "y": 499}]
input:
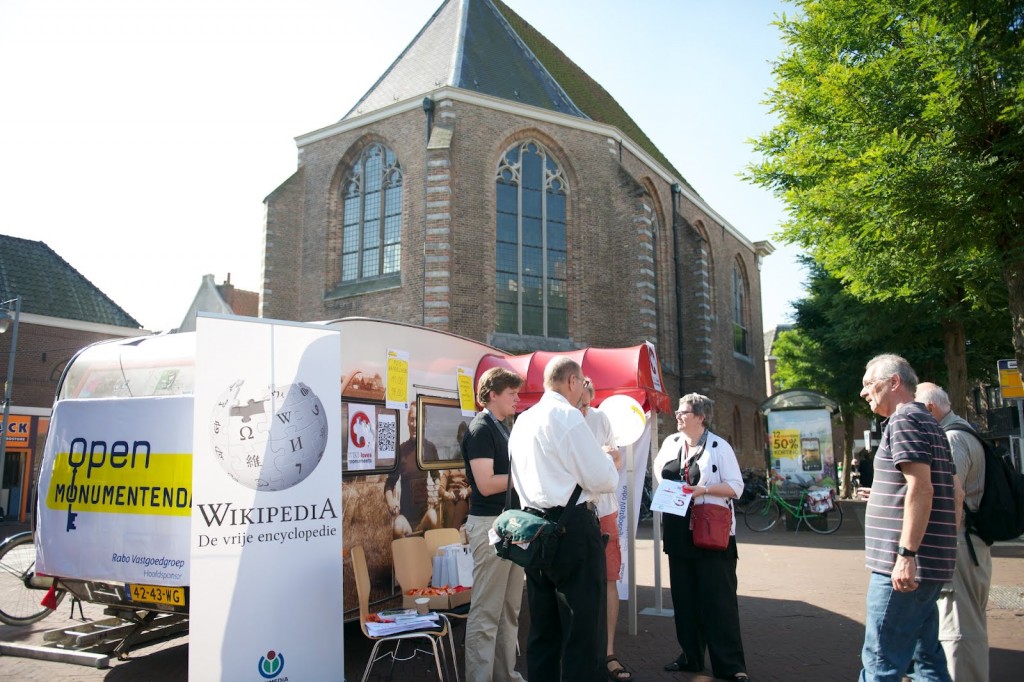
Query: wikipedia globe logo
[{"x": 270, "y": 441}]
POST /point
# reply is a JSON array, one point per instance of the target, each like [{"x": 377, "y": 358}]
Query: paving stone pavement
[{"x": 801, "y": 603}]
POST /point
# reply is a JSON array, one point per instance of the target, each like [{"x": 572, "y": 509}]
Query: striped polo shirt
[{"x": 911, "y": 435}]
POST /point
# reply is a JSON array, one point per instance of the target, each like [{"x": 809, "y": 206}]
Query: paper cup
[{"x": 421, "y": 605}]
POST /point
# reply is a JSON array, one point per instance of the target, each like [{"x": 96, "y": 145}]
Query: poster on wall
[
  {"x": 266, "y": 518},
  {"x": 801, "y": 447}
]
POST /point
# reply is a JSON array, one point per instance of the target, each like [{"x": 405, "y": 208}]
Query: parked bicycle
[
  {"x": 21, "y": 590},
  {"x": 754, "y": 488},
  {"x": 817, "y": 508}
]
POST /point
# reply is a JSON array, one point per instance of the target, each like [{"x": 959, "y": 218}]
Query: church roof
[
  {"x": 49, "y": 286},
  {"x": 483, "y": 46}
]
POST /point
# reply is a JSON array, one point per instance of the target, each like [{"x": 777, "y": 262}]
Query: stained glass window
[
  {"x": 532, "y": 272},
  {"x": 371, "y": 238}
]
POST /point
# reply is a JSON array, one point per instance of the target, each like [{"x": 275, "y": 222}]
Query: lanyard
[{"x": 684, "y": 468}]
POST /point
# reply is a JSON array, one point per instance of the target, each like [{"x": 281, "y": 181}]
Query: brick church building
[{"x": 486, "y": 186}]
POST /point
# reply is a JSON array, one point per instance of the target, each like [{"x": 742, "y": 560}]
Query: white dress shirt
[{"x": 552, "y": 450}]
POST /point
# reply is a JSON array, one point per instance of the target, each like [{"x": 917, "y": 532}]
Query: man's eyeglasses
[
  {"x": 870, "y": 383},
  {"x": 682, "y": 412}
]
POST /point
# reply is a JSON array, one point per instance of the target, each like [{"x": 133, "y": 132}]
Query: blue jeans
[{"x": 902, "y": 627}]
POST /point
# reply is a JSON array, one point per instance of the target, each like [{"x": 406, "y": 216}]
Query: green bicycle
[{"x": 817, "y": 509}]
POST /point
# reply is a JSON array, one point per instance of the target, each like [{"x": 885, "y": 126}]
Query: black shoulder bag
[{"x": 526, "y": 538}]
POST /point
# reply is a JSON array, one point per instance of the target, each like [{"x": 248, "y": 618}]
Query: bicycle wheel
[
  {"x": 19, "y": 603},
  {"x": 827, "y": 522},
  {"x": 761, "y": 514}
]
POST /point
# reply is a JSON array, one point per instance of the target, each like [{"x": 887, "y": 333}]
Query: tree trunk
[
  {"x": 848, "y": 426},
  {"x": 1013, "y": 274},
  {"x": 954, "y": 342}
]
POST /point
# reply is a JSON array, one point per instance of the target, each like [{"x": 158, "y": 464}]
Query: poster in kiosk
[
  {"x": 800, "y": 442},
  {"x": 266, "y": 541}
]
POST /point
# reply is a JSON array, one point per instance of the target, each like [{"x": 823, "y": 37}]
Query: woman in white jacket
[{"x": 703, "y": 581}]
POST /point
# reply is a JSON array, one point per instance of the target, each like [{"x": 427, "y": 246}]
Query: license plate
[{"x": 157, "y": 594}]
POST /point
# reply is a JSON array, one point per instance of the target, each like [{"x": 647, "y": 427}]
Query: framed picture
[{"x": 440, "y": 426}]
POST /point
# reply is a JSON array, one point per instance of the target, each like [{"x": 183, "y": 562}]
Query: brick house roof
[
  {"x": 49, "y": 286},
  {"x": 483, "y": 46}
]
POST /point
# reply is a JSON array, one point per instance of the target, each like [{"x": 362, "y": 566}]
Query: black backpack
[{"x": 1000, "y": 515}]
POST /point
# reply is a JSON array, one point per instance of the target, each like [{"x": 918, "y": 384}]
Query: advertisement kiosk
[{"x": 800, "y": 451}]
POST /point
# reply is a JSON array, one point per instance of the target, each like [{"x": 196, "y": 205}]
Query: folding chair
[
  {"x": 439, "y": 537},
  {"x": 435, "y": 635}
]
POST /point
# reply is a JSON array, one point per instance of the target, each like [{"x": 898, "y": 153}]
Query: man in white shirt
[{"x": 552, "y": 451}]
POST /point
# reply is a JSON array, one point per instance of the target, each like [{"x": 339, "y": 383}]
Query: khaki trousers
[
  {"x": 492, "y": 630},
  {"x": 963, "y": 630}
]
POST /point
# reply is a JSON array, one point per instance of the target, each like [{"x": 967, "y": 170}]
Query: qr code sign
[{"x": 387, "y": 435}]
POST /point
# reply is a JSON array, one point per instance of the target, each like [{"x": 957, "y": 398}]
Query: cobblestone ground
[{"x": 801, "y": 603}]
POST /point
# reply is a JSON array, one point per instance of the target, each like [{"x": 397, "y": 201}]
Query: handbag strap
[{"x": 504, "y": 434}]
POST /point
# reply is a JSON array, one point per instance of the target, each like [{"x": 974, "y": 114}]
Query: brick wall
[
  {"x": 43, "y": 353},
  {"x": 622, "y": 272}
]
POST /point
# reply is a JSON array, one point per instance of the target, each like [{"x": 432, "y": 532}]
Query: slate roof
[
  {"x": 49, "y": 286},
  {"x": 483, "y": 46}
]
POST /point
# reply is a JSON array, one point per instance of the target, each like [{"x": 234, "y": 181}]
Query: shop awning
[{"x": 632, "y": 371}]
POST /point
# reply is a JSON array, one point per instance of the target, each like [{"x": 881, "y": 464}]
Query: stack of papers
[{"x": 403, "y": 623}]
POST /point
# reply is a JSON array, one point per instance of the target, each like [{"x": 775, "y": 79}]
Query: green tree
[
  {"x": 899, "y": 155},
  {"x": 836, "y": 333}
]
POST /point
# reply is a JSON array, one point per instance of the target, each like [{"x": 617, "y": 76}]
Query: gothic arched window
[
  {"x": 740, "y": 310},
  {"x": 371, "y": 238},
  {"x": 532, "y": 293}
]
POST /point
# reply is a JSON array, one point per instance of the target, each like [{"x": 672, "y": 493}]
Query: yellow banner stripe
[{"x": 155, "y": 485}]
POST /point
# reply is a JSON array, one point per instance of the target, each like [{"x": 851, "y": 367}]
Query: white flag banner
[
  {"x": 641, "y": 453},
  {"x": 266, "y": 542}
]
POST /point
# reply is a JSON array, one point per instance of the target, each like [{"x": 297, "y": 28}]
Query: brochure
[{"x": 670, "y": 498}]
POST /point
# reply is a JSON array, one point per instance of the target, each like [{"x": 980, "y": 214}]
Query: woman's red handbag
[{"x": 710, "y": 524}]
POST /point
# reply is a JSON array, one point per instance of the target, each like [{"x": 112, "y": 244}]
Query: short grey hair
[
  {"x": 890, "y": 365},
  {"x": 559, "y": 369},
  {"x": 701, "y": 405},
  {"x": 929, "y": 393}
]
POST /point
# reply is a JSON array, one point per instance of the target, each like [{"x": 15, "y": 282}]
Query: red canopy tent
[{"x": 630, "y": 371}]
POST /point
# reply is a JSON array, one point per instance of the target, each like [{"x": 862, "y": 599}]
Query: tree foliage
[
  {"x": 836, "y": 333},
  {"x": 900, "y": 153}
]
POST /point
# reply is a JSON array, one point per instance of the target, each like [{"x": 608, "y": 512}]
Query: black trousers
[
  {"x": 568, "y": 607},
  {"x": 706, "y": 611}
]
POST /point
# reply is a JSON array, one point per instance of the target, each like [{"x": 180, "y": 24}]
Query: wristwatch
[{"x": 903, "y": 551}]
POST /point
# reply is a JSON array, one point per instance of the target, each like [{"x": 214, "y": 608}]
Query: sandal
[{"x": 619, "y": 674}]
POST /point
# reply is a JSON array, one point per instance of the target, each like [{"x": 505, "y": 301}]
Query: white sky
[{"x": 138, "y": 138}]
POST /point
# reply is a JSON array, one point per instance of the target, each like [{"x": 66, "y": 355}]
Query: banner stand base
[{"x": 667, "y": 613}]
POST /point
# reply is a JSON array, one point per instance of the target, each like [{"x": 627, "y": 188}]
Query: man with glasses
[
  {"x": 553, "y": 451},
  {"x": 909, "y": 530}
]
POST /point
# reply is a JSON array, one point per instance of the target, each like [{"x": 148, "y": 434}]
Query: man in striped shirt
[{"x": 909, "y": 530}]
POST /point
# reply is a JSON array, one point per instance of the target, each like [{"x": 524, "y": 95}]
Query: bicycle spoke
[
  {"x": 826, "y": 523},
  {"x": 19, "y": 603},
  {"x": 761, "y": 514}
]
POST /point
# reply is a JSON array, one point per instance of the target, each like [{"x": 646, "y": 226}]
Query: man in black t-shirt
[{"x": 493, "y": 626}]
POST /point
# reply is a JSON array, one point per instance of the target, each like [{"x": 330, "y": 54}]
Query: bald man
[{"x": 963, "y": 629}]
